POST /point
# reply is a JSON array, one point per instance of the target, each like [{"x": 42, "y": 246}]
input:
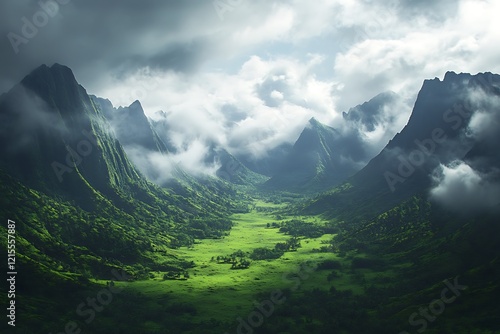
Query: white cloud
[
  {"x": 275, "y": 26},
  {"x": 251, "y": 81},
  {"x": 399, "y": 55},
  {"x": 160, "y": 168},
  {"x": 265, "y": 104},
  {"x": 461, "y": 188}
]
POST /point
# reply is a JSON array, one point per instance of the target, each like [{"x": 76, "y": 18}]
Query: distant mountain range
[
  {"x": 131, "y": 126},
  {"x": 313, "y": 161},
  {"x": 63, "y": 121},
  {"x": 323, "y": 156},
  {"x": 59, "y": 149},
  {"x": 76, "y": 173},
  {"x": 53, "y": 138}
]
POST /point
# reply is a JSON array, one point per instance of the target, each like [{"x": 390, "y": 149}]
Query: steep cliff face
[
  {"x": 312, "y": 161},
  {"x": 56, "y": 140},
  {"x": 438, "y": 133},
  {"x": 131, "y": 126}
]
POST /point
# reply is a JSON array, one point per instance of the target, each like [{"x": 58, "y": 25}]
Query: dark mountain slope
[
  {"x": 54, "y": 139},
  {"x": 312, "y": 161},
  {"x": 56, "y": 146},
  {"x": 131, "y": 126},
  {"x": 323, "y": 156},
  {"x": 232, "y": 169},
  {"x": 435, "y": 135}
]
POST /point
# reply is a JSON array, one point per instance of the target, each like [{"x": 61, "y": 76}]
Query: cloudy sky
[{"x": 249, "y": 74}]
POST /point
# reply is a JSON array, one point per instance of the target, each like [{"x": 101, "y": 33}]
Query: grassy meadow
[
  {"x": 215, "y": 293},
  {"x": 218, "y": 292}
]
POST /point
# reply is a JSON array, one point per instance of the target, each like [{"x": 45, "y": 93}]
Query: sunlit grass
[{"x": 224, "y": 294}]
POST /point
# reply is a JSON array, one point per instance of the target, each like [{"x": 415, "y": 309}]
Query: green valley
[{"x": 123, "y": 237}]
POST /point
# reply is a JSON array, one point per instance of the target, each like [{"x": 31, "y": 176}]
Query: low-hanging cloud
[
  {"x": 472, "y": 184},
  {"x": 234, "y": 111},
  {"x": 463, "y": 189},
  {"x": 366, "y": 129},
  {"x": 161, "y": 168},
  {"x": 266, "y": 105},
  {"x": 250, "y": 81},
  {"x": 30, "y": 114}
]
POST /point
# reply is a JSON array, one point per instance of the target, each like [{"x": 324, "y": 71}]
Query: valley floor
[
  {"x": 315, "y": 288},
  {"x": 217, "y": 292}
]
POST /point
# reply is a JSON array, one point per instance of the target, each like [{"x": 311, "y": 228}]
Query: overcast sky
[{"x": 249, "y": 74}]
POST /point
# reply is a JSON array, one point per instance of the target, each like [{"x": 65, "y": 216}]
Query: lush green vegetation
[
  {"x": 353, "y": 276},
  {"x": 106, "y": 251}
]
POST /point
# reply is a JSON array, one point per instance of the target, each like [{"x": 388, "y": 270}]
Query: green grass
[
  {"x": 224, "y": 294},
  {"x": 264, "y": 204},
  {"x": 217, "y": 292}
]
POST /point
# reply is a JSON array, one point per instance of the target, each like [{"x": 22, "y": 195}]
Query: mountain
[
  {"x": 368, "y": 114},
  {"x": 233, "y": 170},
  {"x": 69, "y": 181},
  {"x": 312, "y": 161},
  {"x": 147, "y": 144},
  {"x": 54, "y": 139},
  {"x": 439, "y": 134},
  {"x": 141, "y": 142},
  {"x": 323, "y": 156},
  {"x": 131, "y": 125},
  {"x": 268, "y": 164}
]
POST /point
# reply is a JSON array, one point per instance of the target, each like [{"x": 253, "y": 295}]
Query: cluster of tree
[
  {"x": 208, "y": 228},
  {"x": 406, "y": 224},
  {"x": 279, "y": 249},
  {"x": 298, "y": 227},
  {"x": 372, "y": 263},
  {"x": 265, "y": 209},
  {"x": 329, "y": 265},
  {"x": 240, "y": 208},
  {"x": 176, "y": 275},
  {"x": 238, "y": 260},
  {"x": 319, "y": 311},
  {"x": 280, "y": 197},
  {"x": 275, "y": 225}
]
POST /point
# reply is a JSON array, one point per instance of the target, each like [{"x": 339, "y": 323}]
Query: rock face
[
  {"x": 131, "y": 126},
  {"x": 324, "y": 157},
  {"x": 311, "y": 162},
  {"x": 55, "y": 139}
]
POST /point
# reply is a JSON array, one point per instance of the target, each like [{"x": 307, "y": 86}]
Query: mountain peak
[
  {"x": 313, "y": 121},
  {"x": 135, "y": 105},
  {"x": 134, "y": 109},
  {"x": 450, "y": 75},
  {"x": 314, "y": 124},
  {"x": 59, "y": 67},
  {"x": 54, "y": 70},
  {"x": 53, "y": 81},
  {"x": 370, "y": 112}
]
